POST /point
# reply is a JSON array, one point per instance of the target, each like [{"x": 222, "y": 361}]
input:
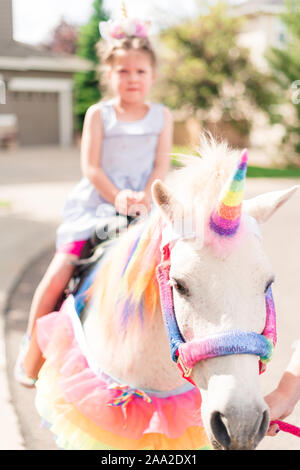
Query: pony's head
[{"x": 220, "y": 275}]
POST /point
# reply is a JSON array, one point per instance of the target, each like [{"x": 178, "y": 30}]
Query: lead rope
[{"x": 286, "y": 427}]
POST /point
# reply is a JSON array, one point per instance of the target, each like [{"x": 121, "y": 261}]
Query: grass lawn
[
  {"x": 260, "y": 172},
  {"x": 253, "y": 171},
  {"x": 5, "y": 203}
]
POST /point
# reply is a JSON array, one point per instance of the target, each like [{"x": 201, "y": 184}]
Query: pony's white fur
[
  {"x": 224, "y": 293},
  {"x": 201, "y": 180}
]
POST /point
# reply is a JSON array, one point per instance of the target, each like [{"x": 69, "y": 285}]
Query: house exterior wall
[
  {"x": 262, "y": 28},
  {"x": 41, "y": 105},
  {"x": 6, "y": 21},
  {"x": 37, "y": 117},
  {"x": 35, "y": 89},
  {"x": 270, "y": 28},
  {"x": 259, "y": 33}
]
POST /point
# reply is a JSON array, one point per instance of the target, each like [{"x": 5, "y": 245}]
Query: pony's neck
[
  {"x": 142, "y": 360},
  {"x": 124, "y": 326}
]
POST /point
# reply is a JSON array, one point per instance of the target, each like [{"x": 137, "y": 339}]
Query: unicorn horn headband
[
  {"x": 124, "y": 10},
  {"x": 225, "y": 219},
  {"x": 125, "y": 27}
]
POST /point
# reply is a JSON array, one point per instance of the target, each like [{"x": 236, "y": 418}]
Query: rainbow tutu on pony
[{"x": 86, "y": 409}]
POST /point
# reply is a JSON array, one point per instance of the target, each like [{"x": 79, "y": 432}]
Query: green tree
[
  {"x": 204, "y": 68},
  {"x": 87, "y": 91},
  {"x": 285, "y": 63}
]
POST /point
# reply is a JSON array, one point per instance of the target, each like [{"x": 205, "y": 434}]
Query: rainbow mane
[{"x": 134, "y": 295}]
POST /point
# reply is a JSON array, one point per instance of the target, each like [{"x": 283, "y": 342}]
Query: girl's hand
[
  {"x": 283, "y": 399},
  {"x": 123, "y": 200},
  {"x": 280, "y": 408},
  {"x": 143, "y": 203},
  {"x": 133, "y": 203}
]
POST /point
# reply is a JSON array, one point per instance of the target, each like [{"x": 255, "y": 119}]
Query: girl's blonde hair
[{"x": 108, "y": 51}]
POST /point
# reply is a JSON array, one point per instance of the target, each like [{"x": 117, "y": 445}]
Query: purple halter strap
[{"x": 187, "y": 354}]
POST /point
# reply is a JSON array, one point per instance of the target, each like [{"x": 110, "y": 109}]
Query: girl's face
[{"x": 131, "y": 75}]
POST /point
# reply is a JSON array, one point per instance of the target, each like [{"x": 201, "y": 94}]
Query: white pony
[{"x": 113, "y": 384}]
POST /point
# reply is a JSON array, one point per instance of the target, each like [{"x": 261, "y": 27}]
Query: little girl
[{"x": 126, "y": 145}]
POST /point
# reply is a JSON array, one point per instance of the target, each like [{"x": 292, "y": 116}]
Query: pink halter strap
[{"x": 187, "y": 354}]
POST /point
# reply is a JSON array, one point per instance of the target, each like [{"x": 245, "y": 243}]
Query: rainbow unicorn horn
[{"x": 225, "y": 219}]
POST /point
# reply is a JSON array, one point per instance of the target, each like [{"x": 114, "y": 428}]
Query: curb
[{"x": 11, "y": 437}]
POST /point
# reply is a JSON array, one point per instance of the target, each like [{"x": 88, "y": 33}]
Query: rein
[
  {"x": 286, "y": 427},
  {"x": 187, "y": 354}
]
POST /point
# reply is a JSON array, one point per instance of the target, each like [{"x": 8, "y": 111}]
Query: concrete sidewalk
[
  {"x": 10, "y": 434},
  {"x": 34, "y": 184}
]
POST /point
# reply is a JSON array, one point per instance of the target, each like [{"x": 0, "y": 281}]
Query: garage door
[{"x": 37, "y": 114}]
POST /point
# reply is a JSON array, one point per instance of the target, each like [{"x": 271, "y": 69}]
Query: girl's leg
[
  {"x": 44, "y": 301},
  {"x": 51, "y": 287}
]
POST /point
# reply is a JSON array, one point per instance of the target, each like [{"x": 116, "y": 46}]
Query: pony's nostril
[
  {"x": 264, "y": 425},
  {"x": 219, "y": 430}
]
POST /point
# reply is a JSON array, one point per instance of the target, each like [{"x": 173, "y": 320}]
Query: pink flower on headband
[
  {"x": 117, "y": 32},
  {"x": 126, "y": 27},
  {"x": 141, "y": 30}
]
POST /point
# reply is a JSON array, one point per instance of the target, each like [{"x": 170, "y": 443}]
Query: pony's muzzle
[{"x": 226, "y": 437}]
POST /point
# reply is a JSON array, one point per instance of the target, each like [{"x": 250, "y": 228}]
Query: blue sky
[{"x": 35, "y": 19}]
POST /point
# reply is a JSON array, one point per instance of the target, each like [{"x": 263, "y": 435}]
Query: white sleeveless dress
[{"x": 127, "y": 158}]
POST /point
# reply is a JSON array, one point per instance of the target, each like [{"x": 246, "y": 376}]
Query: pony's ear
[
  {"x": 263, "y": 207},
  {"x": 166, "y": 201}
]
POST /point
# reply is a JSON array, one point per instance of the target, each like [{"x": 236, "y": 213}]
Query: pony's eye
[
  {"x": 180, "y": 287},
  {"x": 269, "y": 283}
]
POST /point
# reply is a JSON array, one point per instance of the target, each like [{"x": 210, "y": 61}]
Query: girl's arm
[
  {"x": 163, "y": 154},
  {"x": 284, "y": 398},
  {"x": 91, "y": 143}
]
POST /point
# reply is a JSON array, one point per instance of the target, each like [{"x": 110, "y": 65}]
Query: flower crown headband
[{"x": 125, "y": 27}]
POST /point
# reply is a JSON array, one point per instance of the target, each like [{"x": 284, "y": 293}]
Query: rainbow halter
[
  {"x": 224, "y": 223},
  {"x": 187, "y": 354}
]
